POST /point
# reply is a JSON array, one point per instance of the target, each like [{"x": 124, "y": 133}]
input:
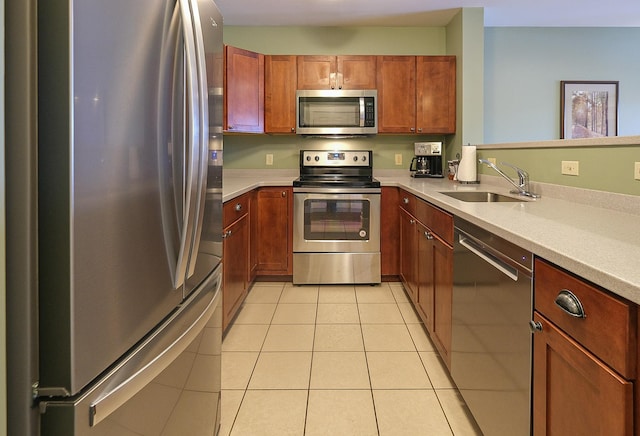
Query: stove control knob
[
  {"x": 317, "y": 158},
  {"x": 364, "y": 158},
  {"x": 355, "y": 158},
  {"x": 308, "y": 158}
]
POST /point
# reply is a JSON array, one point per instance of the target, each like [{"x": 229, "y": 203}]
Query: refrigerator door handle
[
  {"x": 193, "y": 154},
  {"x": 203, "y": 133},
  {"x": 178, "y": 340}
]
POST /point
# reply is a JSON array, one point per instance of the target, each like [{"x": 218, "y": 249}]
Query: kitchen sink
[{"x": 481, "y": 197}]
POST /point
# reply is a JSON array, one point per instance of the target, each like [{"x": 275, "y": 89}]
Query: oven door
[{"x": 336, "y": 221}]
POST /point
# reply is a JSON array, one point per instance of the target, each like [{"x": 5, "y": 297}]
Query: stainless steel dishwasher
[{"x": 491, "y": 340}]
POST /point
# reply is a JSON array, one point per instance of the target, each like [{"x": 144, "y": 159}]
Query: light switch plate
[
  {"x": 636, "y": 171},
  {"x": 398, "y": 159},
  {"x": 269, "y": 159}
]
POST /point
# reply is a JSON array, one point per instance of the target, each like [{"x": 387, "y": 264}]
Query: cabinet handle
[
  {"x": 420, "y": 129},
  {"x": 412, "y": 221},
  {"x": 230, "y": 127},
  {"x": 412, "y": 129},
  {"x": 405, "y": 200},
  {"x": 284, "y": 193},
  {"x": 428, "y": 235},
  {"x": 535, "y": 326},
  {"x": 226, "y": 234},
  {"x": 570, "y": 304},
  {"x": 293, "y": 129},
  {"x": 238, "y": 207}
]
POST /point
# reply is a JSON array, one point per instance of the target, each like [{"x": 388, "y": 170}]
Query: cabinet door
[
  {"x": 356, "y": 72},
  {"x": 574, "y": 393},
  {"x": 253, "y": 235},
  {"x": 389, "y": 232},
  {"x": 235, "y": 267},
  {"x": 281, "y": 82},
  {"x": 443, "y": 294},
  {"x": 244, "y": 91},
  {"x": 317, "y": 72},
  {"x": 426, "y": 275},
  {"x": 436, "y": 94},
  {"x": 275, "y": 250},
  {"x": 408, "y": 251},
  {"x": 396, "y": 83}
]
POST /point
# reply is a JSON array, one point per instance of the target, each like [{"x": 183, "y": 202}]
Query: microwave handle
[{"x": 362, "y": 111}]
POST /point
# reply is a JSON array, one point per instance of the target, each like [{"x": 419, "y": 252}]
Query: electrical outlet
[
  {"x": 269, "y": 160},
  {"x": 636, "y": 171},
  {"x": 398, "y": 159},
  {"x": 571, "y": 167}
]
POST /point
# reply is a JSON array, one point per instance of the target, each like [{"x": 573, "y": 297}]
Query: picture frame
[{"x": 588, "y": 109}]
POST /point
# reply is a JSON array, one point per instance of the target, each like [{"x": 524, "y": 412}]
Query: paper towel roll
[{"x": 467, "y": 170}]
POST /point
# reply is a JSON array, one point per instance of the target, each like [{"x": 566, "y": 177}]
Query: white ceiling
[{"x": 519, "y": 13}]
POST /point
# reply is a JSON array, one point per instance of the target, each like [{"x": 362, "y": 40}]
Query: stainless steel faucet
[{"x": 522, "y": 186}]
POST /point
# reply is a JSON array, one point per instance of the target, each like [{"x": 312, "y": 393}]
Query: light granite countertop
[{"x": 594, "y": 234}]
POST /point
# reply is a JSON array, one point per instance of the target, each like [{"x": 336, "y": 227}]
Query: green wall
[
  {"x": 338, "y": 40},
  {"x": 249, "y": 151},
  {"x": 523, "y": 68},
  {"x": 606, "y": 169}
]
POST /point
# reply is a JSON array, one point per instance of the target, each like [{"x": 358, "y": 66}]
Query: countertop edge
[{"x": 502, "y": 220}]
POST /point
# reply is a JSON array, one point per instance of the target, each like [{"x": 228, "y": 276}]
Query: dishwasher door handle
[{"x": 506, "y": 269}]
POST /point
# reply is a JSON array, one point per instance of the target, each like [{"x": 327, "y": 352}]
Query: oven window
[{"x": 331, "y": 220}]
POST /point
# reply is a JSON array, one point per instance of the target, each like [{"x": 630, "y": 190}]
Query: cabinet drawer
[
  {"x": 439, "y": 221},
  {"x": 234, "y": 209},
  {"x": 408, "y": 201},
  {"x": 608, "y": 328}
]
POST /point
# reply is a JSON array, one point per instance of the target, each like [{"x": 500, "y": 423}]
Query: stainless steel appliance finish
[
  {"x": 337, "y": 112},
  {"x": 491, "y": 340},
  {"x": 336, "y": 223},
  {"x": 120, "y": 265}
]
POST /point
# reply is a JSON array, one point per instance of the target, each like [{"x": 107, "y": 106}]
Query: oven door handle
[{"x": 330, "y": 190}]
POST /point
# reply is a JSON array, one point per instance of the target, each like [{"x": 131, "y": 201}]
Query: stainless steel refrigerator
[{"x": 114, "y": 203}]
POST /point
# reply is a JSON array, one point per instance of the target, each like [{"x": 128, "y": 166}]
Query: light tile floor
[{"x": 335, "y": 360}]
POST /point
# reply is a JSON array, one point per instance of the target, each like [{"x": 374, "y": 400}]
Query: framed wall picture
[{"x": 588, "y": 109}]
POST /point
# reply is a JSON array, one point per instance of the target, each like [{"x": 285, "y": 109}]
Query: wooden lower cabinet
[
  {"x": 408, "y": 254},
  {"x": 426, "y": 276},
  {"x": 389, "y": 234},
  {"x": 274, "y": 231},
  {"x": 235, "y": 263},
  {"x": 574, "y": 392},
  {"x": 443, "y": 295},
  {"x": 426, "y": 266}
]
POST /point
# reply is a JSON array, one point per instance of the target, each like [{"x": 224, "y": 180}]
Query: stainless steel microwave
[{"x": 337, "y": 112}]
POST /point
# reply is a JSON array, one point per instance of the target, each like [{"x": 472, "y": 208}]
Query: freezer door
[
  {"x": 120, "y": 179},
  {"x": 169, "y": 385}
]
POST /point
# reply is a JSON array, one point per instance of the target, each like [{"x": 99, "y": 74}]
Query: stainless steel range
[{"x": 336, "y": 221}]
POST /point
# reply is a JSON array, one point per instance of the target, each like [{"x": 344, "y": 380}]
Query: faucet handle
[{"x": 523, "y": 176}]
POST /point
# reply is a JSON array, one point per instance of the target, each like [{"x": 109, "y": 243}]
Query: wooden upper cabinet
[
  {"x": 336, "y": 72},
  {"x": 244, "y": 91},
  {"x": 396, "y": 83},
  {"x": 436, "y": 94},
  {"x": 280, "y": 84},
  {"x": 416, "y": 94}
]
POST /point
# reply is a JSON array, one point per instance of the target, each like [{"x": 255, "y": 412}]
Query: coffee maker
[{"x": 427, "y": 161}]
